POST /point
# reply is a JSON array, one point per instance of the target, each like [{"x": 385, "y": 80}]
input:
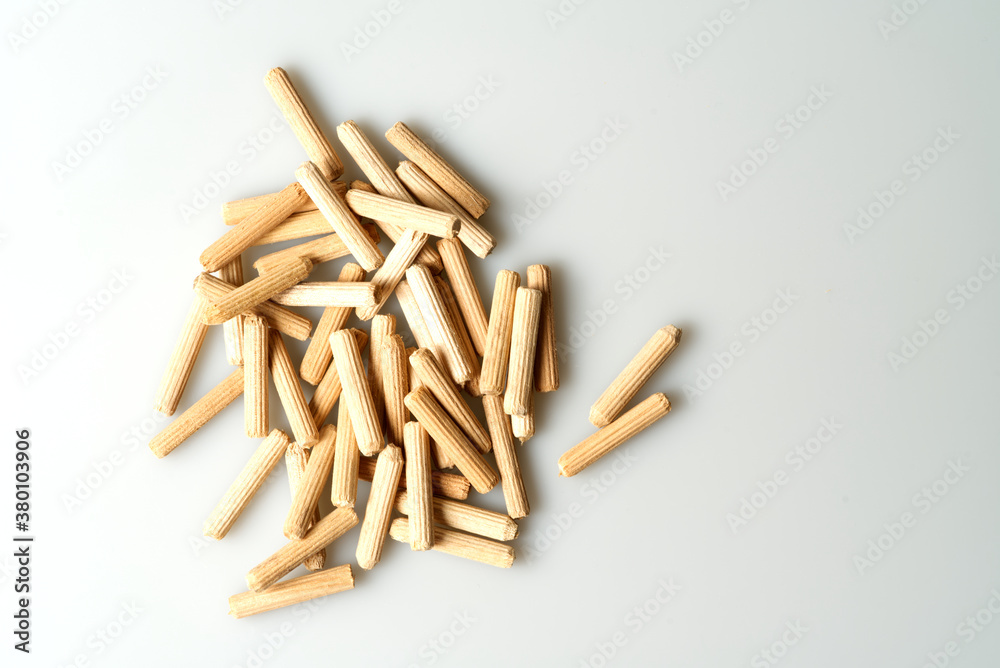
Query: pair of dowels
[
  {"x": 466, "y": 293},
  {"x": 328, "y": 293},
  {"x": 493, "y": 378},
  {"x": 317, "y": 146},
  {"x": 434, "y": 378},
  {"x": 523, "y": 341},
  {"x": 257, "y": 291},
  {"x": 382, "y": 327},
  {"x": 610, "y": 437},
  {"x": 417, "y": 445},
  {"x": 233, "y": 329},
  {"x": 457, "y": 326},
  {"x": 329, "y": 388},
  {"x": 318, "y": 356},
  {"x": 514, "y": 494},
  {"x": 294, "y": 552},
  {"x": 300, "y": 514},
  {"x": 256, "y": 355},
  {"x": 457, "y": 515},
  {"x": 246, "y": 485},
  {"x": 356, "y": 392},
  {"x": 394, "y": 376},
  {"x": 450, "y": 437},
  {"x": 460, "y": 544},
  {"x": 195, "y": 417},
  {"x": 396, "y": 263},
  {"x": 379, "y": 509},
  {"x": 182, "y": 360},
  {"x": 212, "y": 289},
  {"x": 403, "y": 214},
  {"x": 236, "y": 210},
  {"x": 635, "y": 374},
  {"x": 344, "y": 483},
  {"x": 326, "y": 248},
  {"x": 296, "y": 462},
  {"x": 297, "y": 590},
  {"x": 336, "y": 211},
  {"x": 293, "y": 401},
  {"x": 546, "y": 355},
  {"x": 435, "y": 315},
  {"x": 451, "y": 485}
]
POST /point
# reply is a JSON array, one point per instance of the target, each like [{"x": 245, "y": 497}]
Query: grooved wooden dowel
[
  {"x": 455, "y": 322},
  {"x": 340, "y": 217},
  {"x": 471, "y": 233},
  {"x": 417, "y": 445},
  {"x": 382, "y": 327},
  {"x": 379, "y": 509},
  {"x": 296, "y": 461},
  {"x": 435, "y": 315},
  {"x": 347, "y": 358},
  {"x": 232, "y": 329},
  {"x": 434, "y": 378},
  {"x": 449, "y": 436},
  {"x": 328, "y": 391},
  {"x": 523, "y": 426},
  {"x": 290, "y": 392},
  {"x": 399, "y": 259},
  {"x": 195, "y": 417},
  {"x": 241, "y": 237},
  {"x": 438, "y": 456},
  {"x": 324, "y": 249},
  {"x": 317, "y": 146},
  {"x": 287, "y": 322},
  {"x": 383, "y": 182},
  {"x": 451, "y": 485},
  {"x": 243, "y": 489},
  {"x": 472, "y": 519},
  {"x": 294, "y": 552},
  {"x": 235, "y": 211},
  {"x": 395, "y": 385},
  {"x": 460, "y": 544},
  {"x": 344, "y": 485},
  {"x": 546, "y": 356},
  {"x": 182, "y": 359},
  {"x": 255, "y": 366},
  {"x": 403, "y": 214},
  {"x": 493, "y": 378},
  {"x": 514, "y": 494},
  {"x": 415, "y": 320},
  {"x": 466, "y": 293},
  {"x": 414, "y": 148},
  {"x": 317, "y": 357},
  {"x": 523, "y": 340},
  {"x": 634, "y": 375},
  {"x": 300, "y": 514},
  {"x": 256, "y": 291},
  {"x": 296, "y": 226},
  {"x": 328, "y": 293},
  {"x": 291, "y": 592},
  {"x": 606, "y": 439}
]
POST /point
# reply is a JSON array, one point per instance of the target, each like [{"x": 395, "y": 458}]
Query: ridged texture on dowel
[
  {"x": 435, "y": 315},
  {"x": 634, "y": 375},
  {"x": 298, "y": 590},
  {"x": 460, "y": 544},
  {"x": 358, "y": 294},
  {"x": 456, "y": 324},
  {"x": 294, "y": 325},
  {"x": 392, "y": 270},
  {"x": 379, "y": 508},
  {"x": 417, "y": 445},
  {"x": 182, "y": 360},
  {"x": 523, "y": 339},
  {"x": 610, "y": 437},
  {"x": 466, "y": 293},
  {"x": 255, "y": 365},
  {"x": 290, "y": 392},
  {"x": 451, "y": 485},
  {"x": 318, "y": 356},
  {"x": 434, "y": 378},
  {"x": 232, "y": 273},
  {"x": 344, "y": 485},
  {"x": 458, "y": 515},
  {"x": 296, "y": 461},
  {"x": 514, "y": 494},
  {"x": 235, "y": 211},
  {"x": 256, "y": 291},
  {"x": 347, "y": 358},
  {"x": 317, "y": 146},
  {"x": 328, "y": 391},
  {"x": 403, "y": 214},
  {"x": 493, "y": 378},
  {"x": 195, "y": 417},
  {"x": 383, "y": 326},
  {"x": 300, "y": 514},
  {"x": 395, "y": 385},
  {"x": 523, "y": 426},
  {"x": 324, "y": 249},
  {"x": 546, "y": 356}
]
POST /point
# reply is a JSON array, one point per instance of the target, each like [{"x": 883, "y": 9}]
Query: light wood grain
[
  {"x": 451, "y": 485},
  {"x": 291, "y": 592},
  {"x": 329, "y": 389},
  {"x": 235, "y": 211},
  {"x": 539, "y": 278},
  {"x": 465, "y": 517},
  {"x": 460, "y": 544},
  {"x": 296, "y": 461},
  {"x": 318, "y": 356},
  {"x": 255, "y": 366},
  {"x": 466, "y": 293},
  {"x": 388, "y": 276},
  {"x": 293, "y": 401},
  {"x": 182, "y": 359},
  {"x": 417, "y": 445},
  {"x": 523, "y": 340},
  {"x": 328, "y": 293},
  {"x": 394, "y": 376},
  {"x": 232, "y": 329},
  {"x": 434, "y": 378},
  {"x": 455, "y": 322},
  {"x": 515, "y": 495},
  {"x": 379, "y": 508},
  {"x": 493, "y": 378},
  {"x": 300, "y": 514},
  {"x": 364, "y": 418},
  {"x": 403, "y": 214},
  {"x": 303, "y": 124},
  {"x": 256, "y": 291},
  {"x": 344, "y": 484},
  {"x": 324, "y": 249},
  {"x": 436, "y": 317},
  {"x": 195, "y": 417},
  {"x": 287, "y": 322}
]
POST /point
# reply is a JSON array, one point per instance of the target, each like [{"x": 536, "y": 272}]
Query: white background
[{"x": 135, "y": 539}]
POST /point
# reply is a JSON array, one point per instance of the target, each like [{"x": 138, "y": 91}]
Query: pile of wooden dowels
[{"x": 405, "y": 419}]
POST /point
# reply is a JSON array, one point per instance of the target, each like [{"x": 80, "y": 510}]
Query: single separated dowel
[
  {"x": 175, "y": 378},
  {"x": 449, "y": 436},
  {"x": 606, "y": 439},
  {"x": 287, "y": 322},
  {"x": 296, "y": 461},
  {"x": 344, "y": 485},
  {"x": 405, "y": 215},
  {"x": 318, "y": 356},
  {"x": 241, "y": 237},
  {"x": 328, "y": 293},
  {"x": 383, "y": 326},
  {"x": 546, "y": 355},
  {"x": 328, "y": 391},
  {"x": 471, "y": 233},
  {"x": 460, "y": 544},
  {"x": 417, "y": 445},
  {"x": 317, "y": 146},
  {"x": 414, "y": 148},
  {"x": 364, "y": 418},
  {"x": 297, "y": 590},
  {"x": 235, "y": 211},
  {"x": 200, "y": 412},
  {"x": 436, "y": 317},
  {"x": 290, "y": 392},
  {"x": 455, "y": 322},
  {"x": 317, "y": 251},
  {"x": 341, "y": 218},
  {"x": 523, "y": 340},
  {"x": 399, "y": 259},
  {"x": 257, "y": 291},
  {"x": 233, "y": 329},
  {"x": 294, "y": 552},
  {"x": 493, "y": 378},
  {"x": 634, "y": 375},
  {"x": 242, "y": 491},
  {"x": 379, "y": 509},
  {"x": 434, "y": 378},
  {"x": 255, "y": 365},
  {"x": 394, "y": 376},
  {"x": 458, "y": 515},
  {"x": 451, "y": 485},
  {"x": 514, "y": 494},
  {"x": 300, "y": 514},
  {"x": 466, "y": 293}
]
